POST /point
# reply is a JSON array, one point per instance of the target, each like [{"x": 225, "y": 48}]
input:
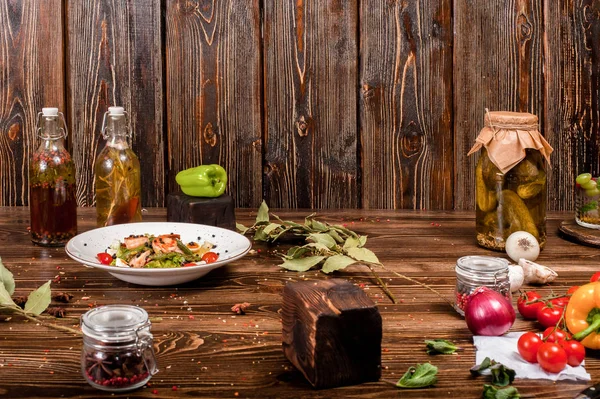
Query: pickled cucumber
[
  {"x": 517, "y": 214},
  {"x": 489, "y": 170},
  {"x": 486, "y": 200},
  {"x": 530, "y": 190}
]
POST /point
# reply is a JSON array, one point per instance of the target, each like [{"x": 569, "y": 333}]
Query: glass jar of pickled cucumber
[{"x": 510, "y": 179}]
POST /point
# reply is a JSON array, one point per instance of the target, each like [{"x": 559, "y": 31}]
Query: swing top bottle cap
[
  {"x": 116, "y": 111},
  {"x": 50, "y": 111}
]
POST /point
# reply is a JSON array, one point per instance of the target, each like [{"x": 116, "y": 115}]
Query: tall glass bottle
[
  {"x": 52, "y": 203},
  {"x": 117, "y": 173}
]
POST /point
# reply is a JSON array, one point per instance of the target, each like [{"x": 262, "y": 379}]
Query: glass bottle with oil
[
  {"x": 52, "y": 199},
  {"x": 117, "y": 173}
]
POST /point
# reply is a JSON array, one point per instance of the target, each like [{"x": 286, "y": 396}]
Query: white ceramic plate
[{"x": 230, "y": 245}]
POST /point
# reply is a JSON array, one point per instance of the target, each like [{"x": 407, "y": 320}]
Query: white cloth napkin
[{"x": 504, "y": 350}]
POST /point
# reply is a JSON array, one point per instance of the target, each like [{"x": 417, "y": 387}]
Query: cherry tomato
[
  {"x": 210, "y": 257},
  {"x": 595, "y": 277},
  {"x": 572, "y": 290},
  {"x": 189, "y": 264},
  {"x": 549, "y": 315},
  {"x": 560, "y": 302},
  {"x": 528, "y": 346},
  {"x": 104, "y": 258},
  {"x": 552, "y": 357},
  {"x": 529, "y": 311},
  {"x": 575, "y": 351},
  {"x": 554, "y": 335}
]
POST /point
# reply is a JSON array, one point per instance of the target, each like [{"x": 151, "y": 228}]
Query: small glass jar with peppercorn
[
  {"x": 52, "y": 200},
  {"x": 117, "y": 353},
  {"x": 477, "y": 271}
]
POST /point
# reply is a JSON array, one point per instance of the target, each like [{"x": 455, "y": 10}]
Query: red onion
[{"x": 488, "y": 312}]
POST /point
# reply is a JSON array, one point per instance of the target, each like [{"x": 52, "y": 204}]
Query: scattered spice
[
  {"x": 62, "y": 297},
  {"x": 57, "y": 311},
  {"x": 240, "y": 308}
]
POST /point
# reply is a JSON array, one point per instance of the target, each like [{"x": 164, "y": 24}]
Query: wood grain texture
[
  {"x": 218, "y": 353},
  {"x": 310, "y": 53},
  {"x": 572, "y": 122},
  {"x": 114, "y": 58},
  {"x": 31, "y": 77},
  {"x": 213, "y": 92},
  {"x": 406, "y": 104},
  {"x": 497, "y": 65}
]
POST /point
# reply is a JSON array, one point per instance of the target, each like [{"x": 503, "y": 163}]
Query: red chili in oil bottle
[{"x": 52, "y": 203}]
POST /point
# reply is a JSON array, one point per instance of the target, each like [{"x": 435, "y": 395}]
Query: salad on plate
[{"x": 152, "y": 252}]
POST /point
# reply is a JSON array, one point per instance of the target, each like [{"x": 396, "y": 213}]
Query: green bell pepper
[{"x": 203, "y": 181}]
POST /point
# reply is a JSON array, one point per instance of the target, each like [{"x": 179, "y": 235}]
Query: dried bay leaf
[
  {"x": 5, "y": 298},
  {"x": 7, "y": 279},
  {"x": 39, "y": 299},
  {"x": 337, "y": 262},
  {"x": 302, "y": 264},
  {"x": 363, "y": 255}
]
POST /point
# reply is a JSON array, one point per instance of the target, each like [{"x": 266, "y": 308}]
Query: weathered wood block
[
  {"x": 211, "y": 211},
  {"x": 331, "y": 332}
]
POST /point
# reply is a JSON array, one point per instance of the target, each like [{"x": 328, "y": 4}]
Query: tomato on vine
[
  {"x": 595, "y": 277},
  {"x": 549, "y": 315},
  {"x": 575, "y": 351},
  {"x": 528, "y": 346},
  {"x": 552, "y": 357},
  {"x": 529, "y": 311},
  {"x": 553, "y": 334}
]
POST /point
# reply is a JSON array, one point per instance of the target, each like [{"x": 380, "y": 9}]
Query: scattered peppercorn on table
[{"x": 205, "y": 349}]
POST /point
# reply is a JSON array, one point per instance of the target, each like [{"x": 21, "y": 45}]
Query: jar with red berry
[
  {"x": 477, "y": 271},
  {"x": 117, "y": 353}
]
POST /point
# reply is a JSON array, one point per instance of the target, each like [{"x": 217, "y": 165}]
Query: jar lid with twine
[{"x": 506, "y": 136}]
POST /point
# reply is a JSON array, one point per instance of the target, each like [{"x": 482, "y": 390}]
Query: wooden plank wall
[{"x": 307, "y": 103}]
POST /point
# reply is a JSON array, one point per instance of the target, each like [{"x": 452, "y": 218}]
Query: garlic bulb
[
  {"x": 516, "y": 277},
  {"x": 536, "y": 273},
  {"x": 522, "y": 244}
]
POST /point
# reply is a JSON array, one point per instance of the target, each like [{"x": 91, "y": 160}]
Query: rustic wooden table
[{"x": 205, "y": 350}]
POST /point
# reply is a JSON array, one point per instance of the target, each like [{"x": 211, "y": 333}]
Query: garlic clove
[
  {"x": 522, "y": 244},
  {"x": 536, "y": 273},
  {"x": 516, "y": 277}
]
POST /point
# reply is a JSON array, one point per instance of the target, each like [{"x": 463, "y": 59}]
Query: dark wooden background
[{"x": 307, "y": 103}]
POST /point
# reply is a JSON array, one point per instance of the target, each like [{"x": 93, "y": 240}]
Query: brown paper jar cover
[
  {"x": 506, "y": 136},
  {"x": 510, "y": 179}
]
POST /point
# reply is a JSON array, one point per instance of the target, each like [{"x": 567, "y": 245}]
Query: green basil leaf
[
  {"x": 7, "y": 279},
  {"x": 486, "y": 364},
  {"x": 39, "y": 299},
  {"x": 501, "y": 375},
  {"x": 5, "y": 298},
  {"x": 362, "y": 254},
  {"x": 322, "y": 238},
  {"x": 336, "y": 262},
  {"x": 491, "y": 392},
  {"x": 241, "y": 228},
  {"x": 302, "y": 264},
  {"x": 262, "y": 216},
  {"x": 351, "y": 242},
  {"x": 440, "y": 346},
  {"x": 421, "y": 376}
]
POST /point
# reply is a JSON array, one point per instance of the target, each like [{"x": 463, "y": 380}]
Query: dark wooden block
[
  {"x": 331, "y": 332},
  {"x": 211, "y": 211},
  {"x": 570, "y": 230}
]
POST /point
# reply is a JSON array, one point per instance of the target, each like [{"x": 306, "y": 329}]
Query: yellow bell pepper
[{"x": 582, "y": 315}]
